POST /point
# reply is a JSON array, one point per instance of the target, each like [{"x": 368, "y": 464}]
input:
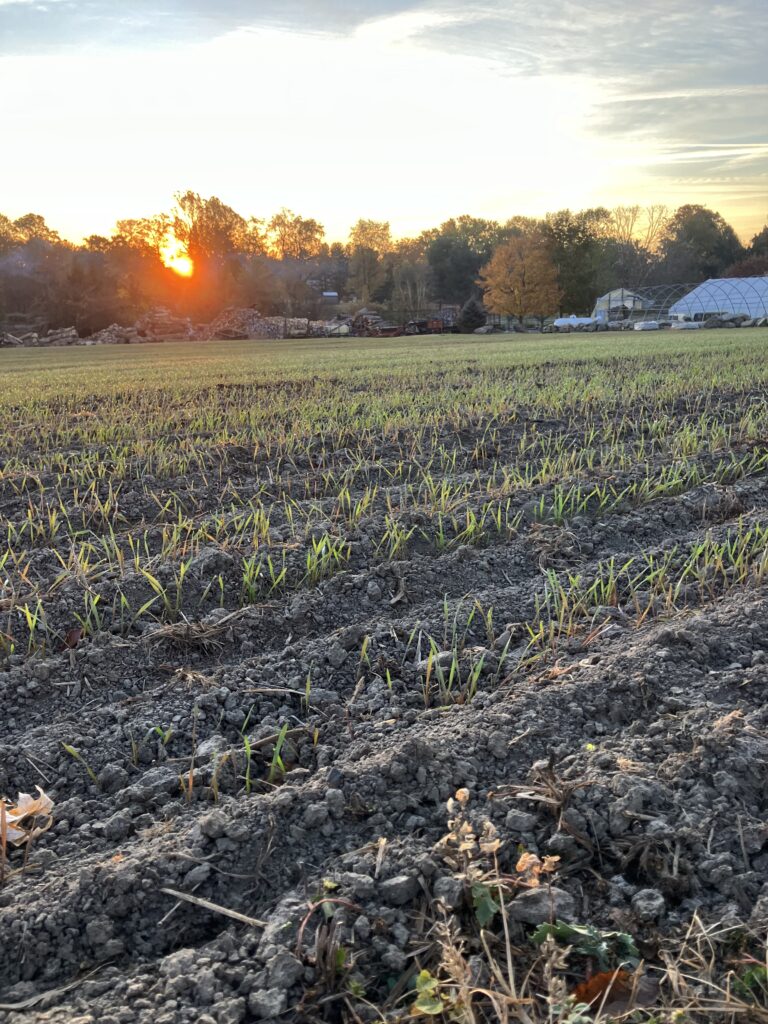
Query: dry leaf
[
  {"x": 531, "y": 867},
  {"x": 617, "y": 991},
  {"x": 73, "y": 637},
  {"x": 27, "y": 807},
  {"x": 594, "y": 989}
]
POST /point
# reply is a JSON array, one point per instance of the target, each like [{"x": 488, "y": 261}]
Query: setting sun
[{"x": 174, "y": 256}]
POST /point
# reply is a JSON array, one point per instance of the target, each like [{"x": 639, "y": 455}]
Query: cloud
[
  {"x": 667, "y": 42},
  {"x": 647, "y": 99},
  {"x": 44, "y": 26}
]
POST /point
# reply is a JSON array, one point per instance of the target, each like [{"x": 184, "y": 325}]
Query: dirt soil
[{"x": 209, "y": 766}]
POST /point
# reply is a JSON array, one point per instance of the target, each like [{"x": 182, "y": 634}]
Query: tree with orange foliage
[{"x": 520, "y": 279}]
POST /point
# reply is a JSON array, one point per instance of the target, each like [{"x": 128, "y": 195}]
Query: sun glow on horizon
[{"x": 175, "y": 257}]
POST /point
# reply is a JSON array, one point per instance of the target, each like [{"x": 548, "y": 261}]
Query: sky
[{"x": 411, "y": 111}]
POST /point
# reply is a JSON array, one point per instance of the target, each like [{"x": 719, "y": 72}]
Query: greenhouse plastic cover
[{"x": 732, "y": 295}]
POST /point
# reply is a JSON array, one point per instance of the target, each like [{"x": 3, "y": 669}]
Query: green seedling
[
  {"x": 277, "y": 767},
  {"x": 74, "y": 753}
]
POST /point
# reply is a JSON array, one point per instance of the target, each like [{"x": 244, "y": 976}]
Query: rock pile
[{"x": 737, "y": 320}]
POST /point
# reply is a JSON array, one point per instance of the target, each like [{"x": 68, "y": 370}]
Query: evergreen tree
[{"x": 472, "y": 316}]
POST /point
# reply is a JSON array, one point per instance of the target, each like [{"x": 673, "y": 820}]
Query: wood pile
[
  {"x": 114, "y": 335},
  {"x": 31, "y": 339},
  {"x": 8, "y": 340},
  {"x": 371, "y": 325},
  {"x": 236, "y": 323},
  {"x": 160, "y": 324},
  {"x": 62, "y": 336}
]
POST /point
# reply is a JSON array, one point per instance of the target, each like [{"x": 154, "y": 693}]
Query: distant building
[
  {"x": 331, "y": 298},
  {"x": 619, "y": 304},
  {"x": 732, "y": 296}
]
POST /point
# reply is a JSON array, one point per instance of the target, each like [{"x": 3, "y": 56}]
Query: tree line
[{"x": 282, "y": 265}]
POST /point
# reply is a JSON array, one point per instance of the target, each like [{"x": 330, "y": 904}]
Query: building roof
[{"x": 746, "y": 295}]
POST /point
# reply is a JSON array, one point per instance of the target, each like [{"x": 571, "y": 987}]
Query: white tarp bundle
[
  {"x": 731, "y": 296},
  {"x": 573, "y": 321}
]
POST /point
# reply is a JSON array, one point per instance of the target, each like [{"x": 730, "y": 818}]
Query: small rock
[
  {"x": 157, "y": 782},
  {"x": 450, "y": 891},
  {"x": 535, "y": 906},
  {"x": 118, "y": 826},
  {"x": 98, "y": 931},
  {"x": 237, "y": 831},
  {"x": 112, "y": 777},
  {"x": 209, "y": 748},
  {"x": 399, "y": 890},
  {"x": 315, "y": 815},
  {"x": 758, "y": 919},
  {"x": 498, "y": 744},
  {"x": 520, "y": 821},
  {"x": 648, "y": 904},
  {"x": 180, "y": 962},
  {"x": 230, "y": 1011},
  {"x": 442, "y": 660},
  {"x": 267, "y": 1002},
  {"x": 213, "y": 824},
  {"x": 336, "y": 655},
  {"x": 209, "y": 562},
  {"x": 425, "y": 865},
  {"x": 362, "y": 886},
  {"x": 197, "y": 875},
  {"x": 284, "y": 971},
  {"x": 335, "y": 801},
  {"x": 394, "y": 959}
]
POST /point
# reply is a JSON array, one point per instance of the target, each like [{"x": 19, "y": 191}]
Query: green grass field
[
  {"x": 128, "y": 458},
  {"x": 30, "y": 374}
]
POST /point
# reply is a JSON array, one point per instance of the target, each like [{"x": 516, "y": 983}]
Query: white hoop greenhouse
[{"x": 744, "y": 296}]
